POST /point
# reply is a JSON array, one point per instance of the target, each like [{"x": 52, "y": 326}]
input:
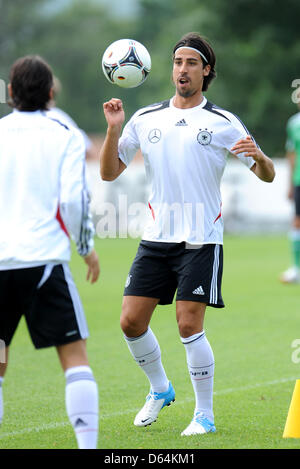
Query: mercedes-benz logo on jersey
[
  {"x": 204, "y": 137},
  {"x": 154, "y": 135}
]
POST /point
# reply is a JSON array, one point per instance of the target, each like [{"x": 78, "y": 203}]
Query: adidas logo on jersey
[
  {"x": 199, "y": 291},
  {"x": 181, "y": 123}
]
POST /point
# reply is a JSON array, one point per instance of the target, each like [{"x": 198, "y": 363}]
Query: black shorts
[
  {"x": 49, "y": 300},
  {"x": 159, "y": 269},
  {"x": 297, "y": 200}
]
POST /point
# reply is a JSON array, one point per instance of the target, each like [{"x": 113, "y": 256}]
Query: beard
[{"x": 186, "y": 93}]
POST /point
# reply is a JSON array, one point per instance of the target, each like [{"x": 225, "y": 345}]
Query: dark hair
[
  {"x": 198, "y": 42},
  {"x": 31, "y": 79}
]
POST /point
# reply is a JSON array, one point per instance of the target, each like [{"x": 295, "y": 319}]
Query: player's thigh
[
  {"x": 136, "y": 314},
  {"x": 200, "y": 275},
  {"x": 149, "y": 282},
  {"x": 57, "y": 316},
  {"x": 17, "y": 291},
  {"x": 150, "y": 275}
]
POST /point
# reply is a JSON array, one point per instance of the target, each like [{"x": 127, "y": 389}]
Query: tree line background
[{"x": 257, "y": 44}]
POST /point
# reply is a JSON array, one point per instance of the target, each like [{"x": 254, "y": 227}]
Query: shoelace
[
  {"x": 199, "y": 417},
  {"x": 150, "y": 402}
]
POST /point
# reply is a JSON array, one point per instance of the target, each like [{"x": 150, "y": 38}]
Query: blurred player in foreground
[
  {"x": 56, "y": 113},
  {"x": 292, "y": 275},
  {"x": 43, "y": 198},
  {"x": 185, "y": 141}
]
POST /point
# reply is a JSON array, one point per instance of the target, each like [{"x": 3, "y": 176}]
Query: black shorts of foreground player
[
  {"x": 185, "y": 141},
  {"x": 44, "y": 198}
]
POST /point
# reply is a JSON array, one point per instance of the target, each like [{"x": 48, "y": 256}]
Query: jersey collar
[
  {"x": 30, "y": 113},
  {"x": 189, "y": 109}
]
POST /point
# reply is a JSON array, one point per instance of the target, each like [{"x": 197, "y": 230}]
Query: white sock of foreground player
[
  {"x": 146, "y": 352},
  {"x": 200, "y": 360},
  {"x": 1, "y": 400},
  {"x": 82, "y": 405}
]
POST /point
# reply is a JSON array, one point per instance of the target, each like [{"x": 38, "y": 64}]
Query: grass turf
[{"x": 251, "y": 339}]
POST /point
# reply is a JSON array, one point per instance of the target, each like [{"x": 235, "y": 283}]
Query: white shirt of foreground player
[
  {"x": 42, "y": 183},
  {"x": 185, "y": 153},
  {"x": 61, "y": 116}
]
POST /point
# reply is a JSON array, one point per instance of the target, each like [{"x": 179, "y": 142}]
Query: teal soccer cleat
[
  {"x": 199, "y": 425},
  {"x": 154, "y": 403}
]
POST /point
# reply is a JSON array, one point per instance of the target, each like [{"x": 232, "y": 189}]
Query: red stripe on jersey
[
  {"x": 219, "y": 216},
  {"x": 152, "y": 211},
  {"x": 60, "y": 221}
]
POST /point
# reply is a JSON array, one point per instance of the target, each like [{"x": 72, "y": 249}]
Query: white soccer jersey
[
  {"x": 185, "y": 152},
  {"x": 43, "y": 191},
  {"x": 56, "y": 113}
]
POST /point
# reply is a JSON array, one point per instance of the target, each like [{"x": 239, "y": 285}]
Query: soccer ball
[{"x": 126, "y": 63}]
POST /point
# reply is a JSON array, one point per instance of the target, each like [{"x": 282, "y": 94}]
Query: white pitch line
[
  {"x": 256, "y": 385},
  {"x": 51, "y": 426},
  {"x": 46, "y": 426}
]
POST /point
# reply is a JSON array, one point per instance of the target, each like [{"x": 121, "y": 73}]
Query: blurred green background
[{"x": 257, "y": 44}]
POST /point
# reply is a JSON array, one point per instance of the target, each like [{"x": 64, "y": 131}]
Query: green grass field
[{"x": 251, "y": 338}]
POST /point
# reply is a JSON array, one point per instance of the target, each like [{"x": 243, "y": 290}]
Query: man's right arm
[{"x": 110, "y": 164}]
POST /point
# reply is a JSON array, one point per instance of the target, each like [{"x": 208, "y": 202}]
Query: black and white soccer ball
[{"x": 126, "y": 63}]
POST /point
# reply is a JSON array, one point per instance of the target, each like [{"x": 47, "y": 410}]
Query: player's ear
[
  {"x": 51, "y": 93},
  {"x": 9, "y": 89},
  {"x": 206, "y": 70}
]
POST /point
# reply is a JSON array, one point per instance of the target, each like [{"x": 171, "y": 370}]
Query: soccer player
[
  {"x": 185, "y": 141},
  {"x": 56, "y": 113},
  {"x": 44, "y": 198},
  {"x": 292, "y": 275}
]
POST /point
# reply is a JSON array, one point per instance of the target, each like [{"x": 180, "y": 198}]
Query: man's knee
[
  {"x": 131, "y": 324},
  {"x": 190, "y": 317},
  {"x": 128, "y": 325},
  {"x": 186, "y": 327},
  {"x": 136, "y": 315}
]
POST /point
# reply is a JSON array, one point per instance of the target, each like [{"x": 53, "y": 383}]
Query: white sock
[
  {"x": 146, "y": 352},
  {"x": 1, "y": 399},
  {"x": 200, "y": 360},
  {"x": 82, "y": 405}
]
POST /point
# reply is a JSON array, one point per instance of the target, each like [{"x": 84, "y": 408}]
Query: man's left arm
[{"x": 263, "y": 167}]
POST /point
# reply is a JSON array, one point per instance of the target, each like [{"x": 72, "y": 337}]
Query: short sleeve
[
  {"x": 237, "y": 132},
  {"x": 128, "y": 143}
]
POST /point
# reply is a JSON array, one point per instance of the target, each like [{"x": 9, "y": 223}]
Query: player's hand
[
  {"x": 249, "y": 148},
  {"x": 114, "y": 113},
  {"x": 92, "y": 262}
]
